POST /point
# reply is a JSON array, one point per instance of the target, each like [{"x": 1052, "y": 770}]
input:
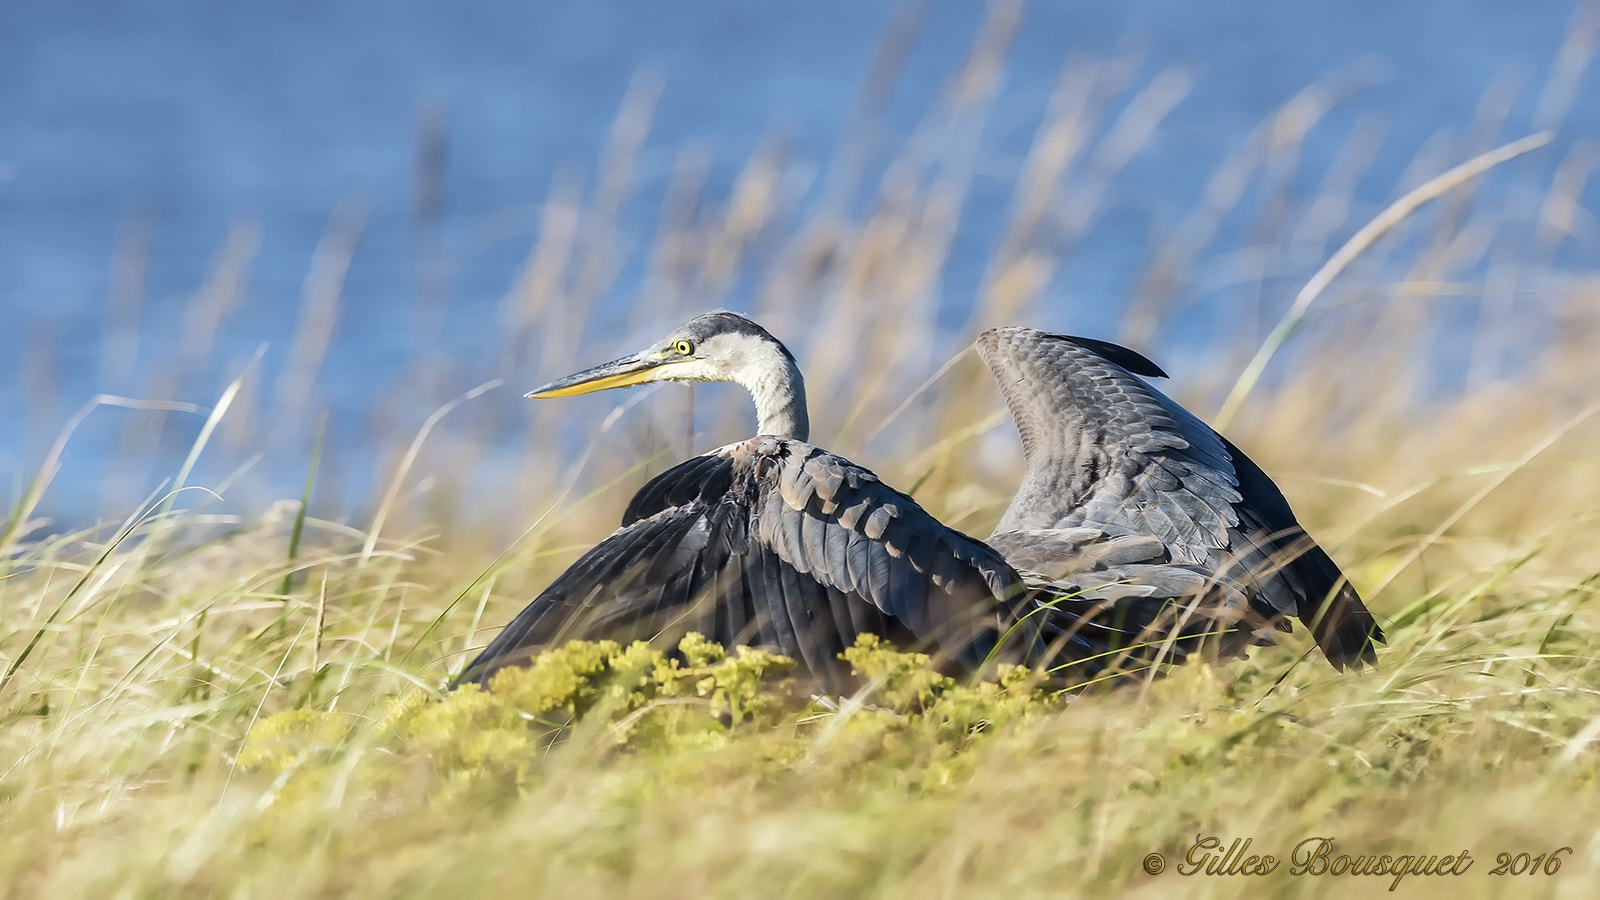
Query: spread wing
[
  {"x": 1152, "y": 608},
  {"x": 1107, "y": 452},
  {"x": 776, "y": 543}
]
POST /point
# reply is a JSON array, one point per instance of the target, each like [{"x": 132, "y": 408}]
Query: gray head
[{"x": 716, "y": 346}]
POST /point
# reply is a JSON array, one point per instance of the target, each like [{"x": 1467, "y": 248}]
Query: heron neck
[{"x": 780, "y": 396}]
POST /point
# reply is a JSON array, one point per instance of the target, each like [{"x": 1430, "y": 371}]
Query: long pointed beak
[{"x": 619, "y": 373}]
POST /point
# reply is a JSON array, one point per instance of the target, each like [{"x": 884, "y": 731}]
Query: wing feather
[
  {"x": 1107, "y": 451},
  {"x": 772, "y": 540}
]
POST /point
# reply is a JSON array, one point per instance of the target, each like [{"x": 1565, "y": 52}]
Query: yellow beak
[{"x": 619, "y": 373}]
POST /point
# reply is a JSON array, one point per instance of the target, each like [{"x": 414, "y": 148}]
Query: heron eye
[{"x": 683, "y": 348}]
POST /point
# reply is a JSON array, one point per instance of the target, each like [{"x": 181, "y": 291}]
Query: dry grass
[{"x": 136, "y": 658}]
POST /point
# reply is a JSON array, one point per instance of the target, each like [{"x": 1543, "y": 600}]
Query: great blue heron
[{"x": 776, "y": 542}]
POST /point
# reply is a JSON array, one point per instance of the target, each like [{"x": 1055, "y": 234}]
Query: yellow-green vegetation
[
  {"x": 635, "y": 704},
  {"x": 188, "y": 710}
]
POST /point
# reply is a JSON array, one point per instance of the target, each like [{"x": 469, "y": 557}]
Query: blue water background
[{"x": 167, "y": 124}]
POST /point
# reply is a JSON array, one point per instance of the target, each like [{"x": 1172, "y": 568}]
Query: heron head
[{"x": 716, "y": 346}]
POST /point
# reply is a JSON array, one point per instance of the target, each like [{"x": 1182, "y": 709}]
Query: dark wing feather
[
  {"x": 1107, "y": 452},
  {"x": 1326, "y": 601},
  {"x": 779, "y": 543},
  {"x": 1132, "y": 360},
  {"x": 699, "y": 479}
]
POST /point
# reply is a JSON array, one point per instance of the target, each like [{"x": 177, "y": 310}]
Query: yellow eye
[{"x": 683, "y": 348}]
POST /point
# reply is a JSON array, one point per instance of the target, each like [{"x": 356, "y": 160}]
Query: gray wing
[
  {"x": 1156, "y": 610},
  {"x": 1107, "y": 452},
  {"x": 780, "y": 544}
]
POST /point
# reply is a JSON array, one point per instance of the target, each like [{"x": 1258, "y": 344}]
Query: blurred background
[{"x": 362, "y": 211}]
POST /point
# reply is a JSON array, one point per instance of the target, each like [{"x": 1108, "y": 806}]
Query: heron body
[{"x": 772, "y": 541}]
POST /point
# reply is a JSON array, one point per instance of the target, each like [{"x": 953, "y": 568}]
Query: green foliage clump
[
  {"x": 632, "y": 698},
  {"x": 600, "y": 698},
  {"x": 956, "y": 709},
  {"x": 902, "y": 679},
  {"x": 292, "y": 738}
]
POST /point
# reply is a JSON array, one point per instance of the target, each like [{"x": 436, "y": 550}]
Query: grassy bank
[{"x": 194, "y": 705}]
